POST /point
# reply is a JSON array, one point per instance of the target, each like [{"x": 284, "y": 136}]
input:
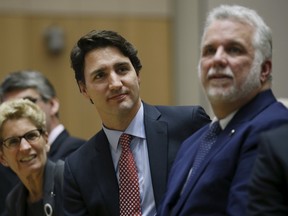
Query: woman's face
[{"x": 29, "y": 157}]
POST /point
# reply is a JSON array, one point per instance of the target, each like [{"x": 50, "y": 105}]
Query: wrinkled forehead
[{"x": 228, "y": 30}]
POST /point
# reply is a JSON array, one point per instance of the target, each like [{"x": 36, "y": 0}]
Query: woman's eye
[{"x": 13, "y": 141}]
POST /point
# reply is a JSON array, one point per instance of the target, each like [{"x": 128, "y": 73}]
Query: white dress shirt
[{"x": 140, "y": 153}]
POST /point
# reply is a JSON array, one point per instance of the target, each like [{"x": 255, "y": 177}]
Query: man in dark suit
[
  {"x": 235, "y": 71},
  {"x": 107, "y": 71},
  {"x": 34, "y": 86},
  {"x": 268, "y": 191}
]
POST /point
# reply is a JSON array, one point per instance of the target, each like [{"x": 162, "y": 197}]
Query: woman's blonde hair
[{"x": 22, "y": 108}]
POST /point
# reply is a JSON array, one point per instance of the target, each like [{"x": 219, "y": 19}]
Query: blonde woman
[{"x": 23, "y": 148}]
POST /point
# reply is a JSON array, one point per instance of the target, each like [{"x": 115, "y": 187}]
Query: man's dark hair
[{"x": 101, "y": 39}]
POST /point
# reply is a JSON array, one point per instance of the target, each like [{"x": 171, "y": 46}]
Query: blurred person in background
[{"x": 268, "y": 190}]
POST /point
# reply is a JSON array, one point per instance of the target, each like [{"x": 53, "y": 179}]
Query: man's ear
[
  {"x": 55, "y": 105},
  {"x": 266, "y": 70},
  {"x": 83, "y": 89}
]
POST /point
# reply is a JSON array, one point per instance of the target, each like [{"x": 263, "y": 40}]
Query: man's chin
[{"x": 220, "y": 95}]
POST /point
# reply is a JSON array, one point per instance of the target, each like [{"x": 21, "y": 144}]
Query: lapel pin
[{"x": 232, "y": 132}]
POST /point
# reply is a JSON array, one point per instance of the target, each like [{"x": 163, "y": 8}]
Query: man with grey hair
[
  {"x": 212, "y": 169},
  {"x": 34, "y": 86}
]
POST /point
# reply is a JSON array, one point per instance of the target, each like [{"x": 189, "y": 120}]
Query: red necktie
[{"x": 128, "y": 180}]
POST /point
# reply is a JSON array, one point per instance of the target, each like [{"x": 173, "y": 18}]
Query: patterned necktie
[
  {"x": 128, "y": 180},
  {"x": 206, "y": 143}
]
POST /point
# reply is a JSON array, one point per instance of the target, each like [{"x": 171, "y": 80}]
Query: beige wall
[{"x": 22, "y": 46}]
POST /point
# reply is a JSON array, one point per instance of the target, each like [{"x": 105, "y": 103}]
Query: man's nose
[
  {"x": 220, "y": 57},
  {"x": 114, "y": 81}
]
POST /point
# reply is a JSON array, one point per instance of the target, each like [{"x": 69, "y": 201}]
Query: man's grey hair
[
  {"x": 20, "y": 80},
  {"x": 262, "y": 40}
]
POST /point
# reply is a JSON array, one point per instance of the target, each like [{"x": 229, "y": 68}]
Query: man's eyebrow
[{"x": 125, "y": 63}]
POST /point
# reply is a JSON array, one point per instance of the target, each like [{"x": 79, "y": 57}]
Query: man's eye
[
  {"x": 99, "y": 75},
  {"x": 122, "y": 69},
  {"x": 234, "y": 50},
  {"x": 208, "y": 51}
]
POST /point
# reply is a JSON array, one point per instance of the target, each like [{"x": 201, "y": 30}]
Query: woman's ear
[
  {"x": 2, "y": 159},
  {"x": 47, "y": 145}
]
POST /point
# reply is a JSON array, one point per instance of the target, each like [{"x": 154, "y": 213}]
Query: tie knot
[
  {"x": 125, "y": 140},
  {"x": 215, "y": 128}
]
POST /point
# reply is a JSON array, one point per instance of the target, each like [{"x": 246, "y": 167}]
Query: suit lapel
[
  {"x": 104, "y": 173},
  {"x": 156, "y": 136}
]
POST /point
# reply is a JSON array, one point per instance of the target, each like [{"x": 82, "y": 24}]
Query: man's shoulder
[
  {"x": 174, "y": 110},
  {"x": 65, "y": 136},
  {"x": 178, "y": 107},
  {"x": 75, "y": 140},
  {"x": 273, "y": 115},
  {"x": 88, "y": 146}
]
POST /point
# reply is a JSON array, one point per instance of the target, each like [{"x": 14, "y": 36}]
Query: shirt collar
[
  {"x": 55, "y": 133},
  {"x": 224, "y": 122},
  {"x": 135, "y": 128}
]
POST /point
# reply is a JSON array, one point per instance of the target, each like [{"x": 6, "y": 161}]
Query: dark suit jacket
[
  {"x": 269, "y": 184},
  {"x": 53, "y": 182},
  {"x": 91, "y": 186},
  {"x": 219, "y": 186},
  {"x": 63, "y": 145},
  {"x": 8, "y": 179}
]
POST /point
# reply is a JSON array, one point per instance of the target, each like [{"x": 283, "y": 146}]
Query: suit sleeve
[
  {"x": 73, "y": 201},
  {"x": 267, "y": 187}
]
